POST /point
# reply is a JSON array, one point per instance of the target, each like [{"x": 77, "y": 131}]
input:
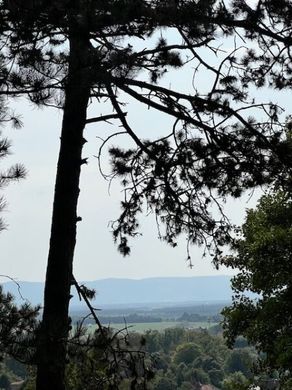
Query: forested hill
[{"x": 142, "y": 291}]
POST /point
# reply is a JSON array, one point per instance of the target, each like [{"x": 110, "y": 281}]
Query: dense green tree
[
  {"x": 153, "y": 341},
  {"x": 240, "y": 360},
  {"x": 263, "y": 254},
  {"x": 68, "y": 52},
  {"x": 187, "y": 353},
  {"x": 204, "y": 369},
  {"x": 180, "y": 373},
  {"x": 171, "y": 337},
  {"x": 186, "y": 386},
  {"x": 164, "y": 383},
  {"x": 206, "y": 362},
  {"x": 237, "y": 381},
  {"x": 196, "y": 376},
  {"x": 216, "y": 377}
]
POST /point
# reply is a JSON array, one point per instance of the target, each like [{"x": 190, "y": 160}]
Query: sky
[{"x": 24, "y": 245}]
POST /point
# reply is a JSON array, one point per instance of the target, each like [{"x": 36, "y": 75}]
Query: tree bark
[{"x": 51, "y": 353}]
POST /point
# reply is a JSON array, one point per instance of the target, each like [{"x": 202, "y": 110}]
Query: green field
[{"x": 160, "y": 326}]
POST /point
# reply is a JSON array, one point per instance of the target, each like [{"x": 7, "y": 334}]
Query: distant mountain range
[{"x": 131, "y": 292}]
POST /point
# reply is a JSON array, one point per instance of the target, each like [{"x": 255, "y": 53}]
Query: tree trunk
[{"x": 51, "y": 353}]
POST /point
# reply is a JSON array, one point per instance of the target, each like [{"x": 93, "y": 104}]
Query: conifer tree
[
  {"x": 15, "y": 172},
  {"x": 70, "y": 53},
  {"x": 17, "y": 324}
]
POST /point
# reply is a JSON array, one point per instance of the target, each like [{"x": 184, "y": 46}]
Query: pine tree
[
  {"x": 17, "y": 324},
  {"x": 67, "y": 53},
  {"x": 15, "y": 172}
]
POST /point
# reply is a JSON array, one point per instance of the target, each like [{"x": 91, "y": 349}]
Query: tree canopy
[
  {"x": 216, "y": 145},
  {"x": 262, "y": 254}
]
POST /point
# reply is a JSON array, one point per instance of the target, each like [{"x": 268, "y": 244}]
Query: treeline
[
  {"x": 204, "y": 309},
  {"x": 131, "y": 318},
  {"x": 195, "y": 313},
  {"x": 194, "y": 317},
  {"x": 139, "y": 318},
  {"x": 188, "y": 359},
  {"x": 177, "y": 359}
]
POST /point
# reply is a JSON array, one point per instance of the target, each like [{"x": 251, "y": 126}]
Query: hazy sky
[{"x": 24, "y": 245}]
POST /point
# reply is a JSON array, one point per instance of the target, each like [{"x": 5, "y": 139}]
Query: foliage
[
  {"x": 186, "y": 353},
  {"x": 213, "y": 148},
  {"x": 107, "y": 360},
  {"x": 164, "y": 383},
  {"x": 14, "y": 173},
  {"x": 17, "y": 324},
  {"x": 262, "y": 253},
  {"x": 236, "y": 381},
  {"x": 17, "y": 328},
  {"x": 240, "y": 360},
  {"x": 209, "y": 364},
  {"x": 210, "y": 150},
  {"x": 91, "y": 363}
]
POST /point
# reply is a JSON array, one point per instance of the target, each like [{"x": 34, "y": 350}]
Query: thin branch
[
  {"x": 88, "y": 304},
  {"x": 196, "y": 55},
  {"x": 192, "y": 99},
  {"x": 125, "y": 124},
  {"x": 18, "y": 286},
  {"x": 104, "y": 118},
  {"x": 160, "y": 107},
  {"x": 104, "y": 141}
]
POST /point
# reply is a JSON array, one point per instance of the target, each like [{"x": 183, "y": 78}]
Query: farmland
[
  {"x": 142, "y": 327},
  {"x": 142, "y": 319}
]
